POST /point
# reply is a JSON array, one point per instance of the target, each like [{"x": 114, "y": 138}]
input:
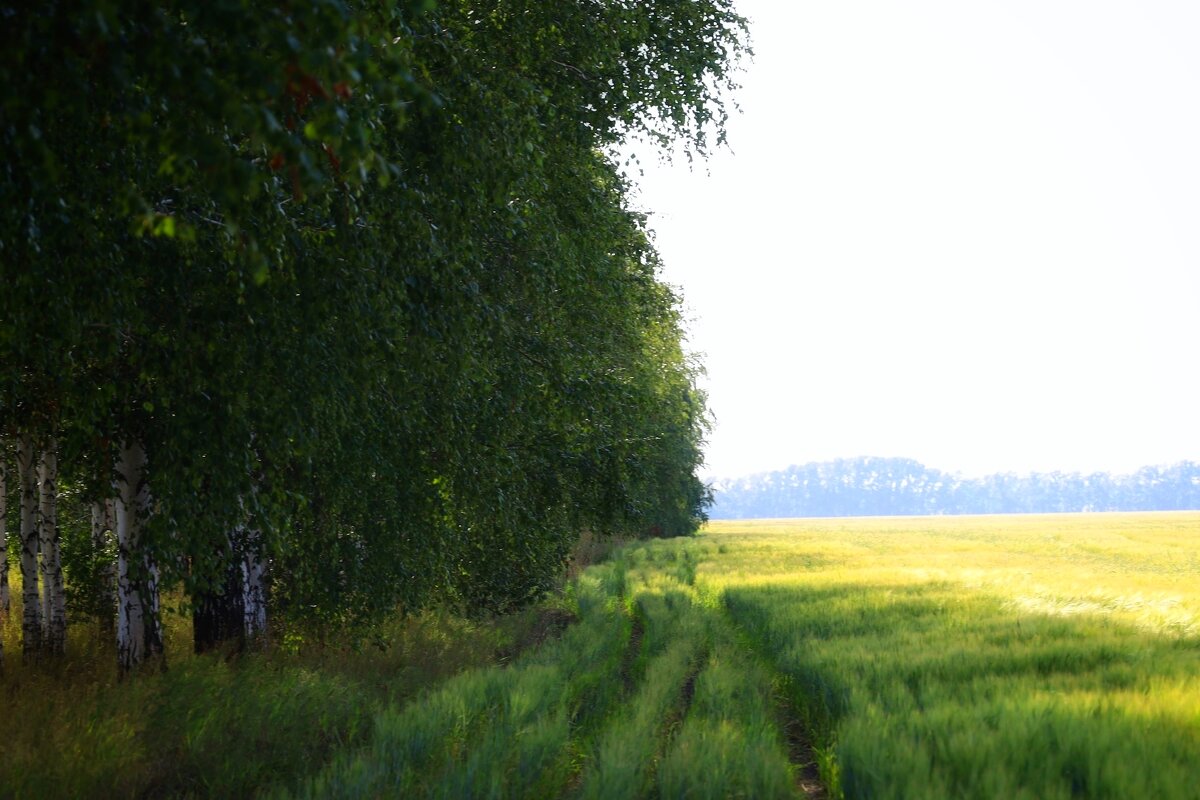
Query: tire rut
[
  {"x": 678, "y": 714},
  {"x": 633, "y": 649},
  {"x": 800, "y": 750},
  {"x": 673, "y": 722}
]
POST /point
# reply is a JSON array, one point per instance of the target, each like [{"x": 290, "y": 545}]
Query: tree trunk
[
  {"x": 150, "y": 601},
  {"x": 139, "y": 635},
  {"x": 5, "y": 603},
  {"x": 254, "y": 594},
  {"x": 104, "y": 527},
  {"x": 31, "y": 623},
  {"x": 54, "y": 607},
  {"x": 3, "y": 547},
  {"x": 44, "y": 535}
]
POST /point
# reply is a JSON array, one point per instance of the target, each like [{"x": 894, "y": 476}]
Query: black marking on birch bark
[
  {"x": 31, "y": 624},
  {"x": 54, "y": 610},
  {"x": 5, "y": 602},
  {"x": 104, "y": 528},
  {"x": 254, "y": 597},
  {"x": 139, "y": 635}
]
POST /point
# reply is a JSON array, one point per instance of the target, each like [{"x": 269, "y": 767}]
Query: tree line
[
  {"x": 900, "y": 486},
  {"x": 332, "y": 307}
]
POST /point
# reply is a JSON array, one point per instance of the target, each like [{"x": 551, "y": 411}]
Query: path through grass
[
  {"x": 988, "y": 657},
  {"x": 1002, "y": 657}
]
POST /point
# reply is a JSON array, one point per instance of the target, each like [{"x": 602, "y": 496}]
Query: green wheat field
[
  {"x": 1001, "y": 657},
  {"x": 945, "y": 657}
]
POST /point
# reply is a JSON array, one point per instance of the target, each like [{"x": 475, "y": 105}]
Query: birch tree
[
  {"x": 139, "y": 632},
  {"x": 5, "y": 603},
  {"x": 254, "y": 588},
  {"x": 31, "y": 624},
  {"x": 369, "y": 268},
  {"x": 236, "y": 608},
  {"x": 54, "y": 609},
  {"x": 103, "y": 530}
]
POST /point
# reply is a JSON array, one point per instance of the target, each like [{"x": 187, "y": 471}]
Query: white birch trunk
[
  {"x": 150, "y": 601},
  {"x": 54, "y": 607},
  {"x": 138, "y": 633},
  {"x": 104, "y": 527},
  {"x": 44, "y": 534},
  {"x": 3, "y": 547},
  {"x": 97, "y": 525},
  {"x": 31, "y": 624},
  {"x": 5, "y": 602},
  {"x": 254, "y": 595}
]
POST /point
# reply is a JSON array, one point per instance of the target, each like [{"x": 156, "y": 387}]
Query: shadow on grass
[
  {"x": 220, "y": 726},
  {"x": 930, "y": 691}
]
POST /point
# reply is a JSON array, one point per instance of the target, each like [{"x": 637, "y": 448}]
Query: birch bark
[
  {"x": 254, "y": 597},
  {"x": 150, "y": 601},
  {"x": 54, "y": 607},
  {"x": 139, "y": 635},
  {"x": 44, "y": 534},
  {"x": 31, "y": 622},
  {"x": 3, "y": 547},
  {"x": 5, "y": 603},
  {"x": 104, "y": 526}
]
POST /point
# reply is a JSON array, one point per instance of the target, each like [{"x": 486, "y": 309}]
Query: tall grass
[
  {"x": 728, "y": 745},
  {"x": 499, "y": 731},
  {"x": 216, "y": 726},
  {"x": 1012, "y": 657},
  {"x": 624, "y": 753},
  {"x": 604, "y": 712},
  {"x": 1001, "y": 657}
]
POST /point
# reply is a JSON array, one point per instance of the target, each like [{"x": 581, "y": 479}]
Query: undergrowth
[
  {"x": 220, "y": 724},
  {"x": 977, "y": 658}
]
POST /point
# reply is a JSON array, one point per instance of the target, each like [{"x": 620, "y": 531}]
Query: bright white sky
[{"x": 962, "y": 232}]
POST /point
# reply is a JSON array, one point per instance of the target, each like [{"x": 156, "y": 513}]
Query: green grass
[
  {"x": 1038, "y": 657},
  {"x": 618, "y": 707},
  {"x": 499, "y": 731},
  {"x": 986, "y": 657},
  {"x": 731, "y": 730},
  {"x": 217, "y": 727}
]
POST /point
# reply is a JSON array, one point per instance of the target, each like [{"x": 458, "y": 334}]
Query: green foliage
[
  {"x": 362, "y": 278},
  {"x": 90, "y": 595},
  {"x": 900, "y": 487}
]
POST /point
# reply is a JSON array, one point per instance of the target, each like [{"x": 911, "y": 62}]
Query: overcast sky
[{"x": 962, "y": 232}]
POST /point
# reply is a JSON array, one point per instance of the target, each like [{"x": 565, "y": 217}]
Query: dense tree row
[
  {"x": 899, "y": 486},
  {"x": 338, "y": 304}
]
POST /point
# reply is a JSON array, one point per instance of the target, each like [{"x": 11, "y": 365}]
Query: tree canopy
[
  {"x": 900, "y": 486},
  {"x": 361, "y": 279}
]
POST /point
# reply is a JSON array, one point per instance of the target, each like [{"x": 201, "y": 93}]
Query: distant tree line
[
  {"x": 328, "y": 308},
  {"x": 900, "y": 486}
]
